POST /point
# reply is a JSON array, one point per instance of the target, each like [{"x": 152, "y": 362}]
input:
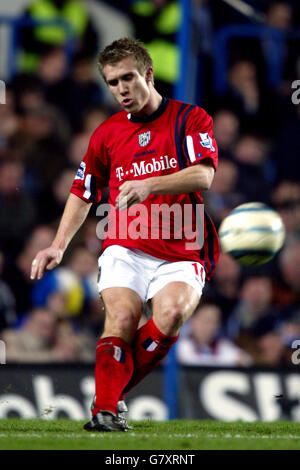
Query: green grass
[{"x": 17, "y": 434}]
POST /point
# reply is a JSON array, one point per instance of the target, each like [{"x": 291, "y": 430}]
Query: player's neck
[{"x": 152, "y": 105}]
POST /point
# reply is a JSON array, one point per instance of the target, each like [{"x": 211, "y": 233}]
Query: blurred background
[{"x": 241, "y": 62}]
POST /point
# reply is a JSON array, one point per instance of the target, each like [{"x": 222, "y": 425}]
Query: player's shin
[
  {"x": 114, "y": 367},
  {"x": 150, "y": 346}
]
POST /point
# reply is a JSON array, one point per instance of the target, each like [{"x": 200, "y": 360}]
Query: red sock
[
  {"x": 114, "y": 367},
  {"x": 150, "y": 346}
]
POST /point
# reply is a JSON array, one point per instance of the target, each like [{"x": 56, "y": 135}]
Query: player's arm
[
  {"x": 75, "y": 213},
  {"x": 90, "y": 179},
  {"x": 195, "y": 178}
]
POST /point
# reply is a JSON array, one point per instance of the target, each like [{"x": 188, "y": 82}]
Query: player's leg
[
  {"x": 175, "y": 291},
  {"x": 114, "y": 360},
  {"x": 172, "y": 306},
  {"x": 123, "y": 309},
  {"x": 123, "y": 285}
]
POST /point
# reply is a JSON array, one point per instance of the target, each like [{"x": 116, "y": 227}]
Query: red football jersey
[{"x": 177, "y": 135}]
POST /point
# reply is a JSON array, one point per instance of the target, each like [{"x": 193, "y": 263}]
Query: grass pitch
[{"x": 62, "y": 434}]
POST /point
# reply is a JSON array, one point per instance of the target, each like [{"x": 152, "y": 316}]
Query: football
[{"x": 252, "y": 234}]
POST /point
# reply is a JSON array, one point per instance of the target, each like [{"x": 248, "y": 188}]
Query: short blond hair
[{"x": 123, "y": 48}]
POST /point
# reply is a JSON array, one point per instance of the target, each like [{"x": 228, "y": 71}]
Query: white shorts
[{"x": 145, "y": 274}]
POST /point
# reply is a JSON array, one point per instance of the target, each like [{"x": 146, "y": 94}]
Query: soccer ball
[{"x": 252, "y": 234}]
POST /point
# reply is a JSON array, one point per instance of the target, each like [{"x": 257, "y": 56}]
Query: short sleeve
[
  {"x": 199, "y": 143},
  {"x": 92, "y": 174}
]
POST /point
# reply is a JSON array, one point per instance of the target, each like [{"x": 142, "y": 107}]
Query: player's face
[{"x": 129, "y": 87}]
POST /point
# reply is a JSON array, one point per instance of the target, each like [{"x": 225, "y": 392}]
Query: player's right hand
[{"x": 45, "y": 259}]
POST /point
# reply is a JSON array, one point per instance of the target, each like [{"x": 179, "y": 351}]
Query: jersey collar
[{"x": 163, "y": 105}]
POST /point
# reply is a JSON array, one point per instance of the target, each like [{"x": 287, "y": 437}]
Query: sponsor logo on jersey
[
  {"x": 143, "y": 168},
  {"x": 206, "y": 141},
  {"x": 80, "y": 171},
  {"x": 144, "y": 138}
]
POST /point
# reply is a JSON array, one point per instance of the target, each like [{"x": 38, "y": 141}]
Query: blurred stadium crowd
[{"x": 53, "y": 104}]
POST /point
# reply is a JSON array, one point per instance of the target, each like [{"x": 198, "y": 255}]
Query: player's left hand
[{"x": 133, "y": 192}]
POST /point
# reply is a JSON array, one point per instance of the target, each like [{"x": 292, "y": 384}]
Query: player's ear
[{"x": 149, "y": 74}]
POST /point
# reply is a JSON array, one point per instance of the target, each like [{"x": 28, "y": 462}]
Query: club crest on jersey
[
  {"x": 144, "y": 138},
  {"x": 80, "y": 171},
  {"x": 206, "y": 141}
]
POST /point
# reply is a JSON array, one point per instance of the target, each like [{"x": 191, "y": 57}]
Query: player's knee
[
  {"x": 124, "y": 320},
  {"x": 172, "y": 318}
]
